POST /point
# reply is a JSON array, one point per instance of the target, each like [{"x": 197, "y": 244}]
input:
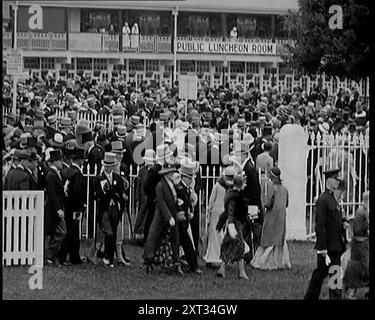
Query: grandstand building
[{"x": 91, "y": 38}]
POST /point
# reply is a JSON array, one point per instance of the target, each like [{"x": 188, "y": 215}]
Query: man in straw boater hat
[
  {"x": 164, "y": 223},
  {"x": 163, "y": 155},
  {"x": 74, "y": 207},
  {"x": 109, "y": 192},
  {"x": 140, "y": 195},
  {"x": 188, "y": 199},
  {"x": 330, "y": 243},
  {"x": 54, "y": 216}
]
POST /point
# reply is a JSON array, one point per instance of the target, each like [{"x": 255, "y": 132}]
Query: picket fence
[
  {"x": 23, "y": 221},
  {"x": 349, "y": 152}
]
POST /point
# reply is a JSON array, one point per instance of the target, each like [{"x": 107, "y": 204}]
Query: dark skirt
[
  {"x": 232, "y": 250},
  {"x": 357, "y": 271},
  {"x": 164, "y": 255}
]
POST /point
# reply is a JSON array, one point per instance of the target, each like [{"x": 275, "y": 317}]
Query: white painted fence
[
  {"x": 347, "y": 152},
  {"x": 23, "y": 221}
]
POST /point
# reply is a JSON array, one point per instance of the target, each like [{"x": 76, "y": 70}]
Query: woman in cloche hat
[{"x": 273, "y": 252}]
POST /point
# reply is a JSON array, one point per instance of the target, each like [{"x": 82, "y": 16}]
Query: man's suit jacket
[
  {"x": 153, "y": 178},
  {"x": 328, "y": 227},
  {"x": 115, "y": 193},
  {"x": 252, "y": 191},
  {"x": 54, "y": 201},
  {"x": 76, "y": 190},
  {"x": 19, "y": 179}
]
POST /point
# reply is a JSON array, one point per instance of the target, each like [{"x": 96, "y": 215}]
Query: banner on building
[{"x": 225, "y": 47}]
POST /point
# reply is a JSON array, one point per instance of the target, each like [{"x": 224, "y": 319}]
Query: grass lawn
[{"x": 91, "y": 281}]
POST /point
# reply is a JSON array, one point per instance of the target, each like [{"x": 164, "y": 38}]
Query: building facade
[{"x": 236, "y": 42}]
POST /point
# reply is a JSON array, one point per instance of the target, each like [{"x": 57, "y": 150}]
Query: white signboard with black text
[
  {"x": 188, "y": 87},
  {"x": 14, "y": 62}
]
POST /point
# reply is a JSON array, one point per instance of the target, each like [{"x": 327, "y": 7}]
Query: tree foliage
[{"x": 340, "y": 52}]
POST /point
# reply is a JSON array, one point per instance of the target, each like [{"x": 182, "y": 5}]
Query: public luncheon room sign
[{"x": 225, "y": 47}]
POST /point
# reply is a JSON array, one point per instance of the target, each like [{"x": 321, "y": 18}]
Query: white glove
[
  {"x": 328, "y": 260},
  {"x": 66, "y": 187},
  {"x": 232, "y": 230},
  {"x": 172, "y": 222}
]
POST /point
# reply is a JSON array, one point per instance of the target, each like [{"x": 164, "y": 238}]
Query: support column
[
  {"x": 293, "y": 165},
  {"x": 175, "y": 14},
  {"x": 15, "y": 79}
]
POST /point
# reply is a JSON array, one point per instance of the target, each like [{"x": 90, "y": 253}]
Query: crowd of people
[{"x": 233, "y": 129}]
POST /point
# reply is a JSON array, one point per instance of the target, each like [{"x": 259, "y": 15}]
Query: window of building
[
  {"x": 237, "y": 67},
  {"x": 169, "y": 68},
  {"x": 280, "y": 27},
  {"x": 100, "y": 64},
  {"x": 93, "y": 20},
  {"x": 31, "y": 63},
  {"x": 48, "y": 63},
  {"x": 203, "y": 66},
  {"x": 152, "y": 65},
  {"x": 252, "y": 67},
  {"x": 84, "y": 64},
  {"x": 187, "y": 66},
  {"x": 136, "y": 65},
  {"x": 198, "y": 25}
]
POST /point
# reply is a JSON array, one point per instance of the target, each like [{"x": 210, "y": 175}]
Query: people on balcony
[
  {"x": 233, "y": 34},
  {"x": 126, "y": 29},
  {"x": 135, "y": 29}
]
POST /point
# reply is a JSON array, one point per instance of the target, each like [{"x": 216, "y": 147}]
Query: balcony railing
[
  {"x": 87, "y": 42},
  {"x": 111, "y": 43},
  {"x": 41, "y": 41},
  {"x": 96, "y": 42}
]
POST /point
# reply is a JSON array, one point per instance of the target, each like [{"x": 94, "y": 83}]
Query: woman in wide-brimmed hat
[
  {"x": 273, "y": 252},
  {"x": 162, "y": 243}
]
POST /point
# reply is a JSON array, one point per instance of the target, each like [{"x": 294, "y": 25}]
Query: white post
[
  {"x": 15, "y": 47},
  {"x": 293, "y": 165},
  {"x": 175, "y": 14}
]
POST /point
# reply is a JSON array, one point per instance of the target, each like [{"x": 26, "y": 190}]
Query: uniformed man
[{"x": 330, "y": 243}]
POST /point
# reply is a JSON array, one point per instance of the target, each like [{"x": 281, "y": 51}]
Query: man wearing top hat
[
  {"x": 74, "y": 207},
  {"x": 140, "y": 195},
  {"x": 54, "y": 214},
  {"x": 117, "y": 147},
  {"x": 330, "y": 242},
  {"x": 185, "y": 193},
  {"x": 109, "y": 193},
  {"x": 66, "y": 129}
]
